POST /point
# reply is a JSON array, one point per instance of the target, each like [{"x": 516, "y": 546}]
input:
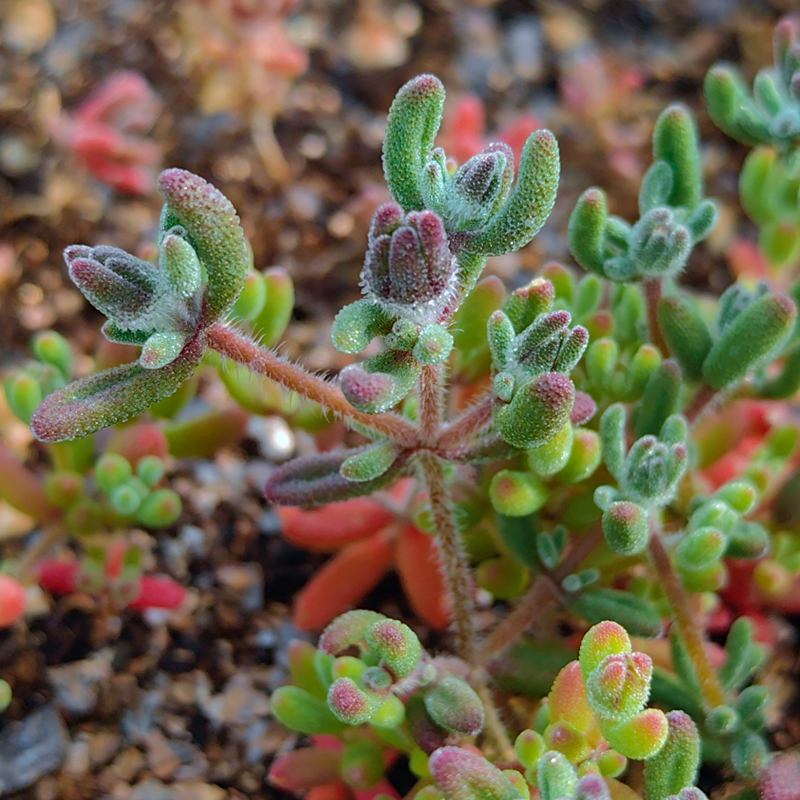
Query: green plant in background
[{"x": 572, "y": 476}]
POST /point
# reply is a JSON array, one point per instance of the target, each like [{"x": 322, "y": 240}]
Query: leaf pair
[
  {"x": 673, "y": 214},
  {"x": 165, "y": 308}
]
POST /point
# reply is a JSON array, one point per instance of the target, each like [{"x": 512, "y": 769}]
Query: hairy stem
[
  {"x": 493, "y": 727},
  {"x": 686, "y": 620},
  {"x": 453, "y": 557},
  {"x": 430, "y": 404},
  {"x": 457, "y": 572},
  {"x": 544, "y": 590},
  {"x": 652, "y": 294},
  {"x": 239, "y": 348},
  {"x": 469, "y": 424}
]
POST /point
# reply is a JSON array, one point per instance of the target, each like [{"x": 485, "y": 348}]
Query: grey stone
[{"x": 31, "y": 748}]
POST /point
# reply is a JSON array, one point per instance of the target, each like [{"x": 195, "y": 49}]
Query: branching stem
[
  {"x": 544, "y": 590},
  {"x": 454, "y": 559},
  {"x": 690, "y": 632},
  {"x": 239, "y": 348}
]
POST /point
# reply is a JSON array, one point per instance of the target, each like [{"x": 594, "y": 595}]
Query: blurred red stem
[{"x": 20, "y": 488}]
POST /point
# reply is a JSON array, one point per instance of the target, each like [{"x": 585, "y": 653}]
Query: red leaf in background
[
  {"x": 58, "y": 576},
  {"x": 747, "y": 261},
  {"x": 464, "y": 128},
  {"x": 13, "y": 600},
  {"x": 331, "y": 791},
  {"x": 334, "y": 526},
  {"x": 419, "y": 565},
  {"x": 106, "y": 131},
  {"x": 517, "y": 132},
  {"x": 383, "y": 787},
  {"x": 134, "y": 442},
  {"x": 733, "y": 463},
  {"x": 300, "y": 770},
  {"x": 159, "y": 591},
  {"x": 343, "y": 581}
]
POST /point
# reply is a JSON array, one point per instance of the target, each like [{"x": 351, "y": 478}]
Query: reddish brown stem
[
  {"x": 239, "y": 348},
  {"x": 468, "y": 425},
  {"x": 652, "y": 293},
  {"x": 20, "y": 488},
  {"x": 453, "y": 557},
  {"x": 544, "y": 590},
  {"x": 700, "y": 402},
  {"x": 457, "y": 571},
  {"x": 686, "y": 620}
]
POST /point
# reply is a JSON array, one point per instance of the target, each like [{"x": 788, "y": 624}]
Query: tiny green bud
[
  {"x": 52, "y": 348},
  {"x": 454, "y": 706},
  {"x": 434, "y": 345},
  {"x": 584, "y": 457},
  {"x": 63, "y": 488},
  {"x": 529, "y": 747},
  {"x": 601, "y": 359},
  {"x": 626, "y": 528},
  {"x": 24, "y": 394},
  {"x": 160, "y": 509},
  {"x": 722, "y": 720},
  {"x": 348, "y": 667},
  {"x": 517, "y": 494},
  {"x": 124, "y": 500},
  {"x": 551, "y": 457},
  {"x": 111, "y": 471},
  {"x": 150, "y": 470},
  {"x": 646, "y": 360}
]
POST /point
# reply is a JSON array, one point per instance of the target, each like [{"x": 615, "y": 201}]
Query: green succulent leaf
[
  {"x": 112, "y": 396},
  {"x": 212, "y": 228}
]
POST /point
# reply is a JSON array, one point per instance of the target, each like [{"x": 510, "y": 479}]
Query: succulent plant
[{"x": 552, "y": 446}]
